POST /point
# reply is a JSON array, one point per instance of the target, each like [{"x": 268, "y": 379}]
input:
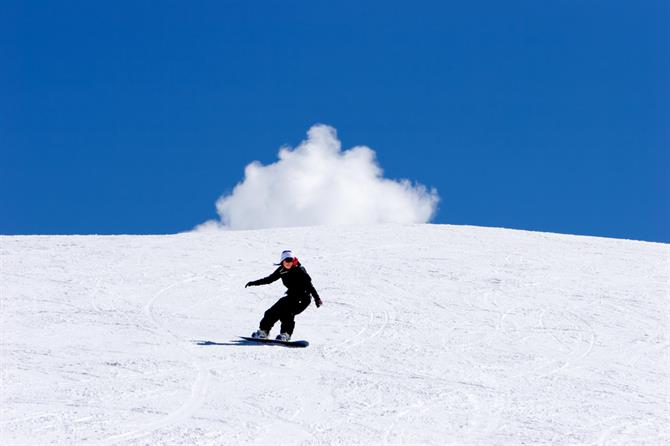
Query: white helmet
[{"x": 284, "y": 256}]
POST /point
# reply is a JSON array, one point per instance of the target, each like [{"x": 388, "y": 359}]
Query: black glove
[
  {"x": 248, "y": 284},
  {"x": 317, "y": 301}
]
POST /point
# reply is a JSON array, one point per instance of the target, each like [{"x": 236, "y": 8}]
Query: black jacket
[{"x": 296, "y": 279}]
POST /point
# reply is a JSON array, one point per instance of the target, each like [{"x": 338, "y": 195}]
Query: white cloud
[{"x": 316, "y": 183}]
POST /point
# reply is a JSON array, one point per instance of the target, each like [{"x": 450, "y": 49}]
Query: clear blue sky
[{"x": 134, "y": 117}]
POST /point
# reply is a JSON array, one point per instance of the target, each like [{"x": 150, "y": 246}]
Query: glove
[
  {"x": 318, "y": 302},
  {"x": 248, "y": 284}
]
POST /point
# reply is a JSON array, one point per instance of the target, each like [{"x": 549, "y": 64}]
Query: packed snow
[{"x": 429, "y": 334}]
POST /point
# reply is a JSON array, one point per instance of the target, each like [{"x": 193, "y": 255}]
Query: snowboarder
[{"x": 297, "y": 298}]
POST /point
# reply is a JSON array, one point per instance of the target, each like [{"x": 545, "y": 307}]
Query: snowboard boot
[
  {"x": 283, "y": 337},
  {"x": 260, "y": 334}
]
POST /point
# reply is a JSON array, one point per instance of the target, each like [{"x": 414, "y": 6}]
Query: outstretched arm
[{"x": 265, "y": 280}]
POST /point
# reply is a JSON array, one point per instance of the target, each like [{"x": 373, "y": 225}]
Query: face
[{"x": 287, "y": 263}]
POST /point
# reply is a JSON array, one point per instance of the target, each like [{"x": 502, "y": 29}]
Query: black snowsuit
[{"x": 295, "y": 301}]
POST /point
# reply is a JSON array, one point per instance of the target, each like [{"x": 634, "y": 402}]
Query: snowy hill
[{"x": 428, "y": 335}]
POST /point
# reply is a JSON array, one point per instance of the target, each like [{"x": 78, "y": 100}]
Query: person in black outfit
[{"x": 297, "y": 298}]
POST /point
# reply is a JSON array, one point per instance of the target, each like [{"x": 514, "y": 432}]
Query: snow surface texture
[{"x": 428, "y": 335}]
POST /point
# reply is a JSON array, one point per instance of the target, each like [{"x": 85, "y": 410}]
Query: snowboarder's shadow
[{"x": 236, "y": 342}]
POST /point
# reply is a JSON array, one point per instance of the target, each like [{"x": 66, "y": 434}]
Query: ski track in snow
[
  {"x": 198, "y": 390},
  {"x": 480, "y": 336}
]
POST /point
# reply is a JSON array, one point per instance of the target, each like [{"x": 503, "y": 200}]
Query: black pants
[{"x": 284, "y": 310}]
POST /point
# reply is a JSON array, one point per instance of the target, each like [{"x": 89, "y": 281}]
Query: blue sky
[{"x": 134, "y": 117}]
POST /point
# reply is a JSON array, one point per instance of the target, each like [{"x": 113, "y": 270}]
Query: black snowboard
[{"x": 276, "y": 342}]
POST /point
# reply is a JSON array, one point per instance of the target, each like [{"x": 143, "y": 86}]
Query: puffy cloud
[{"x": 317, "y": 183}]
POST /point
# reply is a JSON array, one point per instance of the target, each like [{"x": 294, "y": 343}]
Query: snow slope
[{"x": 429, "y": 335}]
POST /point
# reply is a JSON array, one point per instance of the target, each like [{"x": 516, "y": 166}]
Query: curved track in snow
[{"x": 198, "y": 391}]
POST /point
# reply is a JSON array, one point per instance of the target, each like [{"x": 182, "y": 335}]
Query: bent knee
[{"x": 271, "y": 314}]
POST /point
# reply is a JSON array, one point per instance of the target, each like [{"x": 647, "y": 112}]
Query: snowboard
[{"x": 276, "y": 342}]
